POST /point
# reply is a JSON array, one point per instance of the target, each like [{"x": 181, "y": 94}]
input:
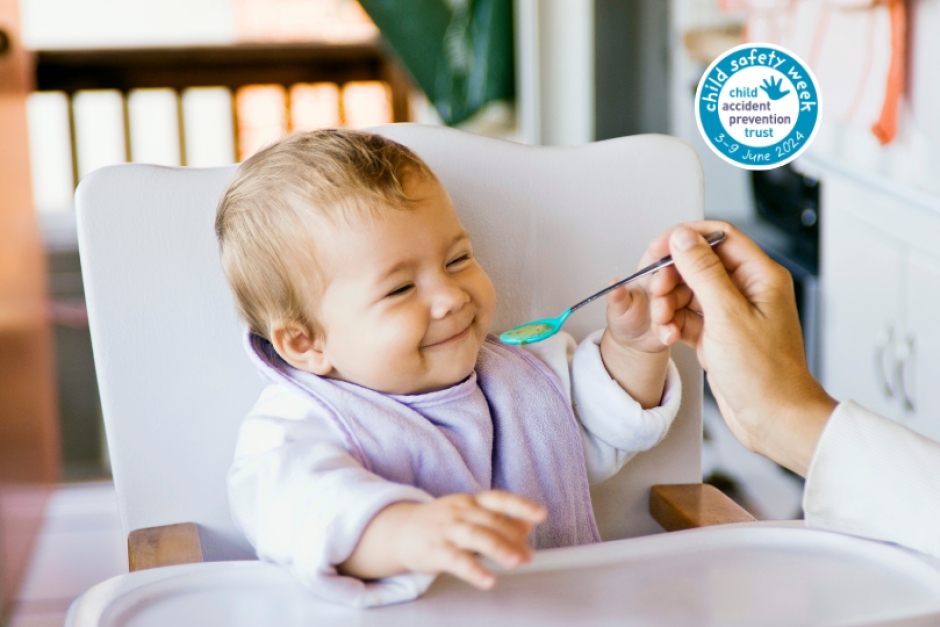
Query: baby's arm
[
  {"x": 306, "y": 503},
  {"x": 614, "y": 428},
  {"x": 303, "y": 501},
  {"x": 631, "y": 349},
  {"x": 443, "y": 535}
]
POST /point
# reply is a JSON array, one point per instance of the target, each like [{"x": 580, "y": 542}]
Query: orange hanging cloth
[
  {"x": 856, "y": 49},
  {"x": 887, "y": 125}
]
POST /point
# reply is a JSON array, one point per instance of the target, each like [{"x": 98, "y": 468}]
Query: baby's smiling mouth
[{"x": 458, "y": 336}]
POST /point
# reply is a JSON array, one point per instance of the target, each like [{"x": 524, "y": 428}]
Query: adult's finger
[
  {"x": 512, "y": 505},
  {"x": 688, "y": 325},
  {"x": 663, "y": 308},
  {"x": 664, "y": 281},
  {"x": 659, "y": 247},
  {"x": 703, "y": 271},
  {"x": 691, "y": 325},
  {"x": 735, "y": 251}
]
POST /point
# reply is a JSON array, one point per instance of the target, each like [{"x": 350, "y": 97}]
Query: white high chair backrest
[{"x": 550, "y": 226}]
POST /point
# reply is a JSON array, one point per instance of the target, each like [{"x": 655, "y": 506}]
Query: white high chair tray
[{"x": 730, "y": 575}]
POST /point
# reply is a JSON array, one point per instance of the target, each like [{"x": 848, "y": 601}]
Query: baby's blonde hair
[{"x": 268, "y": 215}]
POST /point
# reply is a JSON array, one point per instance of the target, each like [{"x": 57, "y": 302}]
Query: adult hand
[{"x": 736, "y": 307}]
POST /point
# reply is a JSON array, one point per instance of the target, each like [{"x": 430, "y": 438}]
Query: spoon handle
[{"x": 712, "y": 238}]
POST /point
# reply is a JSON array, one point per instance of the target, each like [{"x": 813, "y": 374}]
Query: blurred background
[{"x": 90, "y": 83}]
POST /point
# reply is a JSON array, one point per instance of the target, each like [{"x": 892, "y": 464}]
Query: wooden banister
[{"x": 231, "y": 66}]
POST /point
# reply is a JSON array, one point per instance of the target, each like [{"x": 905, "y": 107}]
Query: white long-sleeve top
[
  {"x": 303, "y": 501},
  {"x": 873, "y": 477}
]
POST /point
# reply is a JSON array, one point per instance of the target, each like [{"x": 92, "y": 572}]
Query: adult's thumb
[{"x": 702, "y": 271}]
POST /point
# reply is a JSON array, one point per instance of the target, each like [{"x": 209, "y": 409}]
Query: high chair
[{"x": 549, "y": 225}]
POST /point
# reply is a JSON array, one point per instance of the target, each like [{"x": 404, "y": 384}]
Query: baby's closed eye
[
  {"x": 458, "y": 260},
  {"x": 398, "y": 291}
]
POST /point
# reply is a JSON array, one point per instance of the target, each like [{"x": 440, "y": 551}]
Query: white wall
[
  {"x": 727, "y": 187},
  {"x": 555, "y": 71},
  {"x": 913, "y": 158}
]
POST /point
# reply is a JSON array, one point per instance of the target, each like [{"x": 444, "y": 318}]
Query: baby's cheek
[
  {"x": 485, "y": 299},
  {"x": 389, "y": 345},
  {"x": 393, "y": 369}
]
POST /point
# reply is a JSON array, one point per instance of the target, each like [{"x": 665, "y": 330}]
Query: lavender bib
[{"x": 507, "y": 427}]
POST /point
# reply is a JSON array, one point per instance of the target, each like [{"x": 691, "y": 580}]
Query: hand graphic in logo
[{"x": 773, "y": 88}]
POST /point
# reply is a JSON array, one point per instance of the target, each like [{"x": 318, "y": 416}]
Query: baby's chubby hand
[
  {"x": 630, "y": 321},
  {"x": 633, "y": 351},
  {"x": 446, "y": 534}
]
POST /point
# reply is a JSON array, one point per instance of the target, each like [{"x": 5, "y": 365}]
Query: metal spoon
[{"x": 542, "y": 329}]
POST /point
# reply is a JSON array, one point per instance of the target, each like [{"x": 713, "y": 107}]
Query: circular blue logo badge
[{"x": 758, "y": 106}]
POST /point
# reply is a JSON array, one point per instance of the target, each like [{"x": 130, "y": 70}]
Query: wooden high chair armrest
[
  {"x": 685, "y": 506},
  {"x": 164, "y": 546}
]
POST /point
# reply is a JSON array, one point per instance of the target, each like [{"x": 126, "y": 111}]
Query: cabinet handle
[
  {"x": 880, "y": 350},
  {"x": 902, "y": 372}
]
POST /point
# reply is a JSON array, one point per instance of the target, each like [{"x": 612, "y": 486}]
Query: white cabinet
[
  {"x": 881, "y": 300},
  {"x": 861, "y": 313},
  {"x": 919, "y": 368}
]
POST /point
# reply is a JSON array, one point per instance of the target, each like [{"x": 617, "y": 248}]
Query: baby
[{"x": 397, "y": 440}]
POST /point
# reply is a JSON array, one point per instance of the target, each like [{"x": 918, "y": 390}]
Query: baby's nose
[{"x": 448, "y": 298}]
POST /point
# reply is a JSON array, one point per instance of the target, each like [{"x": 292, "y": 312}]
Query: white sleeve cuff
[
  {"x": 872, "y": 477},
  {"x": 326, "y": 543},
  {"x": 615, "y": 426}
]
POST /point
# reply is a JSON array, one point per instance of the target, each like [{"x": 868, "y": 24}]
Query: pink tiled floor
[{"x": 80, "y": 545}]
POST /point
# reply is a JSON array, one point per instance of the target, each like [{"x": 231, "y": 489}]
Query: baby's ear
[{"x": 296, "y": 346}]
